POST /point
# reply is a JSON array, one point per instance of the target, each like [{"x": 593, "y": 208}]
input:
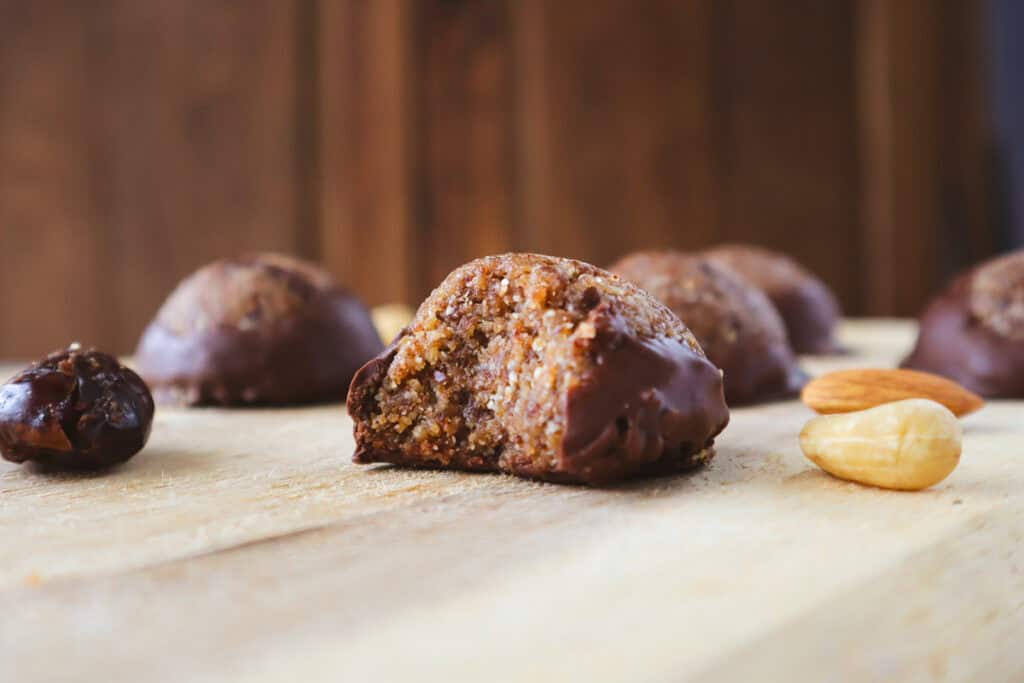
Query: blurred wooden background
[{"x": 395, "y": 139}]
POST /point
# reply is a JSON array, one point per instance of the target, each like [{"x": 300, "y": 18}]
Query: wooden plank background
[{"x": 395, "y": 139}]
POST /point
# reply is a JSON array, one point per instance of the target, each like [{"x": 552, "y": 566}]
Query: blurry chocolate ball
[
  {"x": 807, "y": 306},
  {"x": 735, "y": 323},
  {"x": 75, "y": 409},
  {"x": 973, "y": 332},
  {"x": 259, "y": 329}
]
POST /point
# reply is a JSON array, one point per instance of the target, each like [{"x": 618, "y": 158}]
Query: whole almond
[{"x": 845, "y": 391}]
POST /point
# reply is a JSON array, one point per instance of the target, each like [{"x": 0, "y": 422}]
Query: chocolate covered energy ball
[
  {"x": 75, "y": 409},
  {"x": 807, "y": 306},
  {"x": 735, "y": 323},
  {"x": 973, "y": 332},
  {"x": 540, "y": 367},
  {"x": 260, "y": 329}
]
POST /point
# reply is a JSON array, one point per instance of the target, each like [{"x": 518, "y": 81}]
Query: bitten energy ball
[
  {"x": 973, "y": 332},
  {"x": 262, "y": 329},
  {"x": 735, "y": 323},
  {"x": 75, "y": 409},
  {"x": 807, "y": 306},
  {"x": 541, "y": 367}
]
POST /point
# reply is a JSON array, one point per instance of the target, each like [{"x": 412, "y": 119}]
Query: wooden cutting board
[{"x": 244, "y": 545}]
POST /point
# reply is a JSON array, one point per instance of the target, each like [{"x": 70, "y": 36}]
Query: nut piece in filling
[
  {"x": 735, "y": 323},
  {"x": 261, "y": 329},
  {"x": 973, "y": 332},
  {"x": 540, "y": 367},
  {"x": 75, "y": 409},
  {"x": 807, "y": 306}
]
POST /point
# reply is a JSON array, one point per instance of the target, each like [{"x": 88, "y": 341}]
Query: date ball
[
  {"x": 260, "y": 329},
  {"x": 735, "y": 323},
  {"x": 973, "y": 332},
  {"x": 544, "y": 368},
  {"x": 807, "y": 306},
  {"x": 76, "y": 409}
]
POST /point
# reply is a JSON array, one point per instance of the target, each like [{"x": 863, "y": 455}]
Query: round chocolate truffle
[
  {"x": 807, "y": 306},
  {"x": 75, "y": 409},
  {"x": 735, "y": 323},
  {"x": 973, "y": 332},
  {"x": 540, "y": 367},
  {"x": 260, "y": 329}
]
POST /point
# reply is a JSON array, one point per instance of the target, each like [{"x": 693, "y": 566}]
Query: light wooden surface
[{"x": 244, "y": 545}]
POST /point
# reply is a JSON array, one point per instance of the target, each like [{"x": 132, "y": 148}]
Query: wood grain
[
  {"x": 395, "y": 139},
  {"x": 140, "y": 140},
  {"x": 926, "y": 147},
  {"x": 466, "y": 134},
  {"x": 202, "y": 141},
  {"x": 900, "y": 95},
  {"x": 365, "y": 148},
  {"x": 252, "y": 549},
  {"x": 617, "y": 112},
  {"x": 52, "y": 232},
  {"x": 970, "y": 180},
  {"x": 786, "y": 133}
]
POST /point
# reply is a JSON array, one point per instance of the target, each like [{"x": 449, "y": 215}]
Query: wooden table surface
[{"x": 244, "y": 545}]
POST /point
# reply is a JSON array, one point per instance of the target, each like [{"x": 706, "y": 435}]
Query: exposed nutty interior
[
  {"x": 242, "y": 293},
  {"x": 997, "y": 295},
  {"x": 476, "y": 380},
  {"x": 720, "y": 308}
]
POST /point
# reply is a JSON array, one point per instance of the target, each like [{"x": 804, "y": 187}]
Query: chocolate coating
[
  {"x": 735, "y": 323},
  {"x": 649, "y": 406},
  {"x": 75, "y": 409},
  {"x": 973, "y": 332},
  {"x": 543, "y": 368},
  {"x": 262, "y": 329},
  {"x": 807, "y": 306}
]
